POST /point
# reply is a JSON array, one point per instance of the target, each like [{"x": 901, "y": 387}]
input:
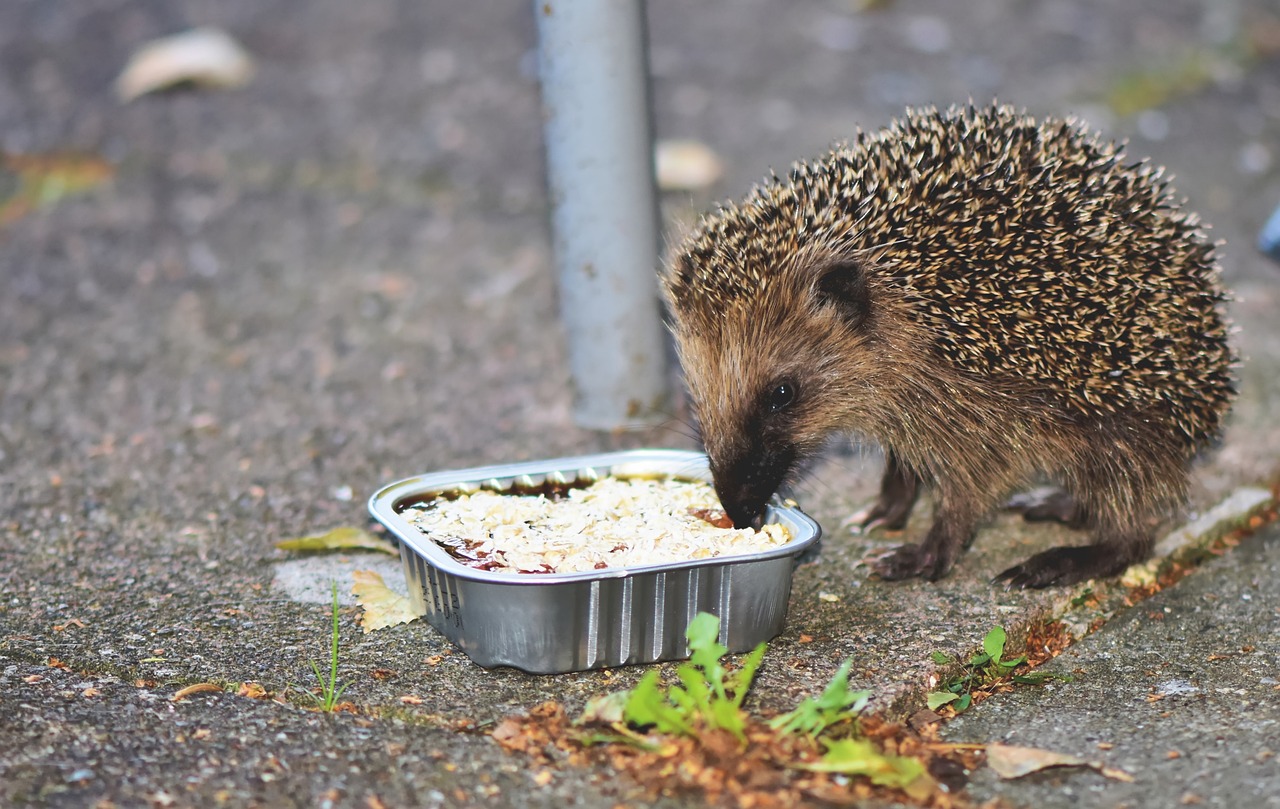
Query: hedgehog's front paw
[
  {"x": 1060, "y": 566},
  {"x": 911, "y": 561}
]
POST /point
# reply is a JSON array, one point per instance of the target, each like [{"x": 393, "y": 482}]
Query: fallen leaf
[
  {"x": 605, "y": 709},
  {"x": 346, "y": 538},
  {"x": 32, "y": 181},
  {"x": 1010, "y": 762},
  {"x": 208, "y": 57},
  {"x": 923, "y": 718},
  {"x": 685, "y": 165},
  {"x": 195, "y": 689},
  {"x": 383, "y": 606},
  {"x": 508, "y": 733},
  {"x": 253, "y": 691}
]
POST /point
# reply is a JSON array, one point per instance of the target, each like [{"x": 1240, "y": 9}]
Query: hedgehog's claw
[
  {"x": 903, "y": 562},
  {"x": 912, "y": 561}
]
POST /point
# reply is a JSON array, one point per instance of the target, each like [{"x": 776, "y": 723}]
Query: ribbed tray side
[{"x": 574, "y": 626}]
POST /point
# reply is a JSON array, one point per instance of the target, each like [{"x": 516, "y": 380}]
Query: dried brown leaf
[
  {"x": 383, "y": 606},
  {"x": 1010, "y": 762},
  {"x": 198, "y": 688}
]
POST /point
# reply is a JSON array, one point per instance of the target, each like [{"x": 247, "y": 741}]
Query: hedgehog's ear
[{"x": 843, "y": 286}]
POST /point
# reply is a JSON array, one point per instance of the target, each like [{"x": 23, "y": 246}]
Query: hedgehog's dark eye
[{"x": 781, "y": 397}]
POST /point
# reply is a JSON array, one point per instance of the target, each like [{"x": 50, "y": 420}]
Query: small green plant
[
  {"x": 983, "y": 669},
  {"x": 1083, "y": 598},
  {"x": 711, "y": 695},
  {"x": 815, "y": 714},
  {"x": 853, "y": 756},
  {"x": 330, "y": 690}
]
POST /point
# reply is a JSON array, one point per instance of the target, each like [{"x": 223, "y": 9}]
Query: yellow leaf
[
  {"x": 383, "y": 606},
  {"x": 31, "y": 181},
  {"x": 346, "y": 537}
]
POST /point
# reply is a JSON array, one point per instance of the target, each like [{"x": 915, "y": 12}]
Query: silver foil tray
[{"x": 558, "y": 622}]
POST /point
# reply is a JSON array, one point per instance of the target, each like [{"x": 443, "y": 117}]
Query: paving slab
[{"x": 1182, "y": 693}]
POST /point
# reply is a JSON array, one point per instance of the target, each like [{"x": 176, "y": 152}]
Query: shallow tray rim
[{"x": 693, "y": 467}]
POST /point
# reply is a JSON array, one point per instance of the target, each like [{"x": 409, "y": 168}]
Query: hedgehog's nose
[
  {"x": 743, "y": 516},
  {"x": 744, "y": 508},
  {"x": 745, "y": 483}
]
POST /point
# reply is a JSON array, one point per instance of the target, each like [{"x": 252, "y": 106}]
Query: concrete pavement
[{"x": 339, "y": 275}]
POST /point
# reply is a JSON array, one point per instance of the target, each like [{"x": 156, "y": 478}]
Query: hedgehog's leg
[
  {"x": 1109, "y": 556},
  {"x": 899, "y": 489},
  {"x": 954, "y": 525},
  {"x": 1124, "y": 488},
  {"x": 1049, "y": 504}
]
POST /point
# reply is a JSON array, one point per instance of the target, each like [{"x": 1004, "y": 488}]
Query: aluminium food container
[{"x": 558, "y": 622}]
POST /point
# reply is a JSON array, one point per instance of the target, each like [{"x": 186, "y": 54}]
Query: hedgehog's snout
[
  {"x": 744, "y": 514},
  {"x": 745, "y": 485}
]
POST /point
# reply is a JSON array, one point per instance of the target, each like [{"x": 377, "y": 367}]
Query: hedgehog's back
[
  {"x": 1033, "y": 252},
  {"x": 1029, "y": 251}
]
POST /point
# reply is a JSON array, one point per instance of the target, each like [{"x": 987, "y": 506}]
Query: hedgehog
[{"x": 996, "y": 300}]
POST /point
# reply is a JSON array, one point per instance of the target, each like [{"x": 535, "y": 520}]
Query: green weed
[
  {"x": 709, "y": 697},
  {"x": 985, "y": 669},
  {"x": 330, "y": 690}
]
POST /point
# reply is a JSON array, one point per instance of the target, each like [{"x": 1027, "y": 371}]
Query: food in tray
[{"x": 612, "y": 523}]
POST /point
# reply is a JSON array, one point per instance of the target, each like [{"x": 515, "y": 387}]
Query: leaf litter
[{"x": 688, "y": 733}]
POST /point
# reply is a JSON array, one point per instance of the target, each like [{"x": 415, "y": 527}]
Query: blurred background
[{"x": 339, "y": 271}]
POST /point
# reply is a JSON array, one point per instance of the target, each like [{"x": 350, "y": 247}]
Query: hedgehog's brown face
[{"x": 769, "y": 377}]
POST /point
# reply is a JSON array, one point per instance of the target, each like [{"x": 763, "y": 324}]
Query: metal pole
[{"x": 594, "y": 74}]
